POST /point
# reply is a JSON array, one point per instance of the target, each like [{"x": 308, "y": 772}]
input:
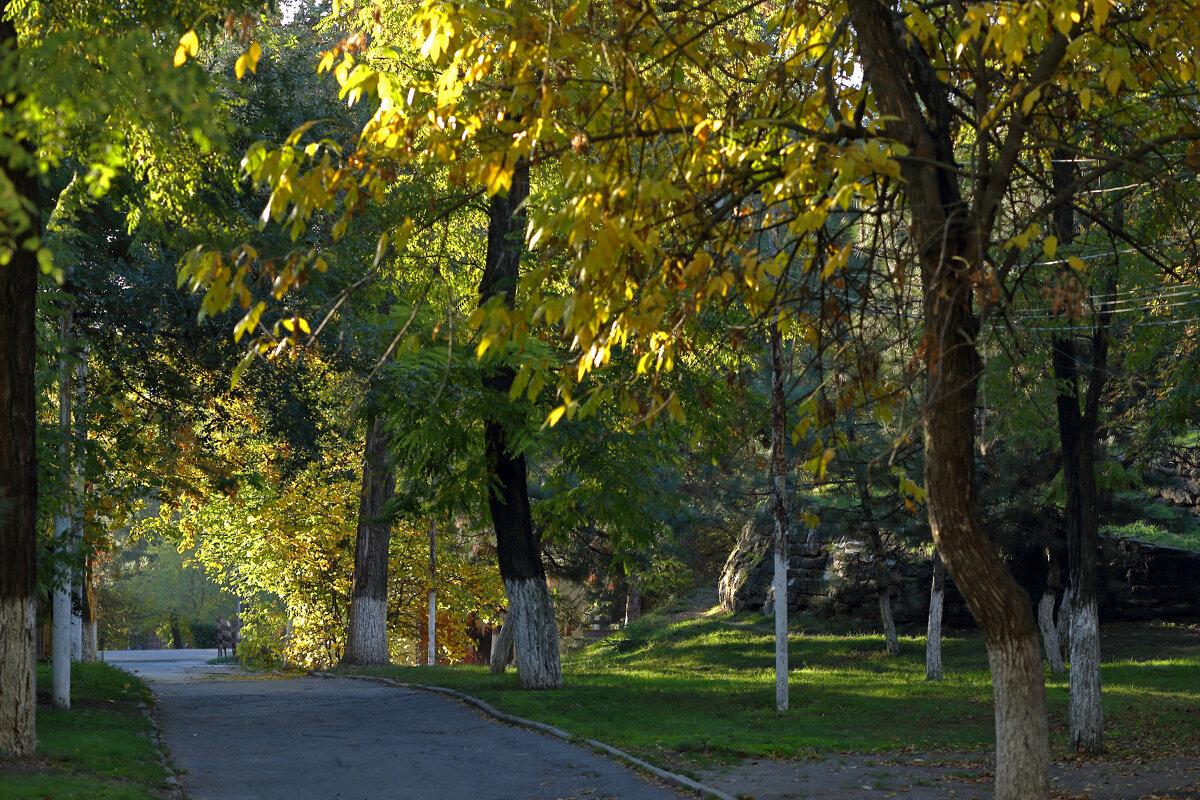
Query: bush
[{"x": 204, "y": 635}]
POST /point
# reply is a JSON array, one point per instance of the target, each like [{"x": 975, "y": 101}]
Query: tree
[
  {"x": 366, "y": 632},
  {"x": 530, "y": 610},
  {"x": 18, "y": 469}
]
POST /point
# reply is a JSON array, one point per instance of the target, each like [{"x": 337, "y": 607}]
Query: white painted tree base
[
  {"x": 366, "y": 635},
  {"x": 535, "y": 634},
  {"x": 1087, "y": 714}
]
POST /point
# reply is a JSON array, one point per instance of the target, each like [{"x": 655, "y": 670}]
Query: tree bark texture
[
  {"x": 933, "y": 634},
  {"x": 502, "y": 644},
  {"x": 950, "y": 235},
  {"x": 366, "y": 635},
  {"x": 1077, "y": 432},
  {"x": 18, "y": 462},
  {"x": 779, "y": 507},
  {"x": 1045, "y": 616},
  {"x": 518, "y": 549}
]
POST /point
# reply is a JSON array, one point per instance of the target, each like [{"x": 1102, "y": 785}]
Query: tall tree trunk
[
  {"x": 432, "y": 655},
  {"x": 21, "y": 216},
  {"x": 950, "y": 235},
  {"x": 1078, "y": 432},
  {"x": 77, "y": 490},
  {"x": 366, "y": 633},
  {"x": 1078, "y": 437},
  {"x": 779, "y": 506},
  {"x": 933, "y": 635},
  {"x": 518, "y": 550},
  {"x": 60, "y": 671}
]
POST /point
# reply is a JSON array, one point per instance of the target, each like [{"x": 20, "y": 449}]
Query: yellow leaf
[
  {"x": 555, "y": 416},
  {"x": 1099, "y": 14},
  {"x": 239, "y": 66},
  {"x": 253, "y": 55},
  {"x": 1075, "y": 262},
  {"x": 1050, "y": 246},
  {"x": 180, "y": 55},
  {"x": 303, "y": 324}
]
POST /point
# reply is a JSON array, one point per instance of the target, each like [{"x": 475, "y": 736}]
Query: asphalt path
[{"x": 238, "y": 736}]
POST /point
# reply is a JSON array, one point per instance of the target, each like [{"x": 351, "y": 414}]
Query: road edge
[{"x": 675, "y": 779}]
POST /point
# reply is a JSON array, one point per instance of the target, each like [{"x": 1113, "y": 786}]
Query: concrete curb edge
[{"x": 673, "y": 778}]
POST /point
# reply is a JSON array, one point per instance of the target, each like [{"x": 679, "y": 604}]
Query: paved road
[{"x": 247, "y": 738}]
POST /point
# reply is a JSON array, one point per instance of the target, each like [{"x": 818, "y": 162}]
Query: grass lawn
[
  {"x": 702, "y": 689},
  {"x": 102, "y": 748}
]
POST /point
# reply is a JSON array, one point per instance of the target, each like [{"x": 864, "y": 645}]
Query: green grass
[
  {"x": 1134, "y": 515},
  {"x": 102, "y": 748},
  {"x": 703, "y": 690}
]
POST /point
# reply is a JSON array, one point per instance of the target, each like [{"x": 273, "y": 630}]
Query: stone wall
[{"x": 831, "y": 573}]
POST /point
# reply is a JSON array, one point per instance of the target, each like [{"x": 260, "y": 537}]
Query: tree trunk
[
  {"x": 950, "y": 235},
  {"x": 1079, "y": 477},
  {"x": 88, "y": 645},
  {"x": 633, "y": 599},
  {"x": 18, "y": 454},
  {"x": 779, "y": 506},
  {"x": 933, "y": 636},
  {"x": 64, "y": 547},
  {"x": 1064, "y": 624},
  {"x": 502, "y": 643},
  {"x": 432, "y": 655},
  {"x": 518, "y": 550},
  {"x": 882, "y": 583},
  {"x": 366, "y": 634},
  {"x": 77, "y": 490},
  {"x": 1045, "y": 615}
]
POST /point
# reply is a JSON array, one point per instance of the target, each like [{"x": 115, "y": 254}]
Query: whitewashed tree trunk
[
  {"x": 535, "y": 633},
  {"x": 60, "y": 642},
  {"x": 1045, "y": 614},
  {"x": 60, "y": 671},
  {"x": 366, "y": 630},
  {"x": 502, "y": 643},
  {"x": 1087, "y": 714},
  {"x": 933, "y": 636},
  {"x": 1022, "y": 747},
  {"x": 1064, "y": 623},
  {"x": 779, "y": 503},
  {"x": 431, "y": 659},
  {"x": 79, "y": 482}
]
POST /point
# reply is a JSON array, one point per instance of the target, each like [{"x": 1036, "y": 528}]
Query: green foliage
[{"x": 146, "y": 586}]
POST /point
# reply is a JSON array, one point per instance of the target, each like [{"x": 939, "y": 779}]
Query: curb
[
  {"x": 174, "y": 787},
  {"x": 680, "y": 781}
]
